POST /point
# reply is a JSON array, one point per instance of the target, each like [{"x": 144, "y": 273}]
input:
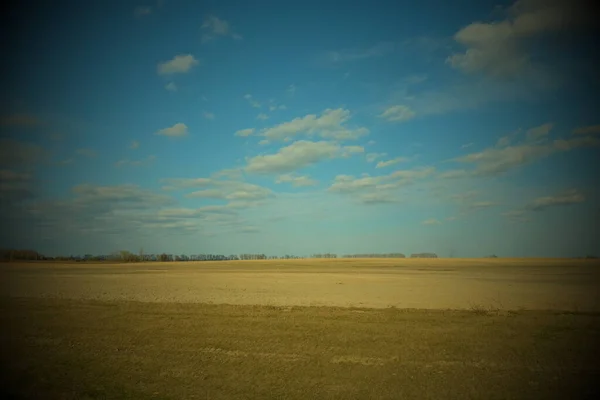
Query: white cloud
[
  {"x": 502, "y": 158},
  {"x": 454, "y": 173},
  {"x": 466, "y": 145},
  {"x": 371, "y": 142},
  {"x": 371, "y": 157},
  {"x": 213, "y": 27},
  {"x": 264, "y": 142},
  {"x": 296, "y": 181},
  {"x": 431, "y": 221},
  {"x": 178, "y": 65},
  {"x": 587, "y": 130},
  {"x": 291, "y": 90},
  {"x": 415, "y": 173},
  {"x": 262, "y": 116},
  {"x": 377, "y": 189},
  {"x": 539, "y": 132},
  {"x": 244, "y": 132},
  {"x": 177, "y": 130},
  {"x": 329, "y": 125},
  {"x": 350, "y": 150},
  {"x": 561, "y": 199},
  {"x": 397, "y": 113},
  {"x": 134, "y": 144},
  {"x": 295, "y": 156},
  {"x": 500, "y": 48},
  {"x": 208, "y": 115},
  {"x": 238, "y": 193},
  {"x": 383, "y": 164},
  {"x": 171, "y": 87}
]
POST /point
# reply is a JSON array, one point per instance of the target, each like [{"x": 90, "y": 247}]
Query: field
[{"x": 297, "y": 329}]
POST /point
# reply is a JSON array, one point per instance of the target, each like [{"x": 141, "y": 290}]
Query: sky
[{"x": 464, "y": 128}]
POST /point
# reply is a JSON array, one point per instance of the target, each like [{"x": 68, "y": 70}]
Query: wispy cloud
[
  {"x": 208, "y": 115},
  {"x": 262, "y": 116},
  {"x": 252, "y": 101},
  {"x": 347, "y": 55},
  {"x": 397, "y": 113},
  {"x": 171, "y": 87},
  {"x": 587, "y": 130},
  {"x": 214, "y": 27},
  {"x": 383, "y": 164}
]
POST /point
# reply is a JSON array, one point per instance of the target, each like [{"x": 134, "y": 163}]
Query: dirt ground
[{"x": 535, "y": 284}]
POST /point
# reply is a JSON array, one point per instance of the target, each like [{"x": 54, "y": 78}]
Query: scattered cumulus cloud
[
  {"x": 177, "y": 130},
  {"x": 504, "y": 157},
  {"x": 500, "y": 49},
  {"x": 244, "y": 132},
  {"x": 296, "y": 181},
  {"x": 378, "y": 189},
  {"x": 298, "y": 155},
  {"x": 262, "y": 116},
  {"x": 431, "y": 221},
  {"x": 372, "y": 157},
  {"x": 180, "y": 64},
  {"x": 331, "y": 124}
]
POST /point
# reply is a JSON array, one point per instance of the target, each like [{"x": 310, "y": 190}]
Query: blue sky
[{"x": 465, "y": 129}]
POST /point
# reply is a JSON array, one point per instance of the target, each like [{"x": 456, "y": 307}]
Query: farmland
[{"x": 341, "y": 328}]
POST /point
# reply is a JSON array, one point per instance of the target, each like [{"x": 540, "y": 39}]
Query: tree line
[{"x": 127, "y": 256}]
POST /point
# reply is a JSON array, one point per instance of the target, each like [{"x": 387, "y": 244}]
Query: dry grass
[
  {"x": 376, "y": 283},
  {"x": 83, "y": 349}
]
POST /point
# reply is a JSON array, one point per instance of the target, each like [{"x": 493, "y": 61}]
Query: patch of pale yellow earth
[{"x": 404, "y": 283}]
